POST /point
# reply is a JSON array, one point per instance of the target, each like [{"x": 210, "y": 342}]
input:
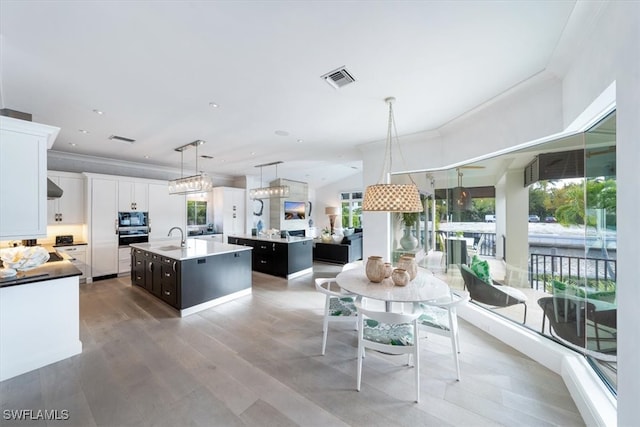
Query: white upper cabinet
[
  {"x": 23, "y": 178},
  {"x": 68, "y": 209},
  {"x": 133, "y": 196}
]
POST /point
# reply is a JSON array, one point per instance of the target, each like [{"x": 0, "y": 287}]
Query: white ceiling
[{"x": 154, "y": 67}]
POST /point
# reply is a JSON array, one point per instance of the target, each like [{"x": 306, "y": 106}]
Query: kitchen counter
[
  {"x": 194, "y": 248},
  {"x": 47, "y": 271},
  {"x": 290, "y": 239}
]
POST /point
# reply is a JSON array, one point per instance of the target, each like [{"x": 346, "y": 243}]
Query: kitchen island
[
  {"x": 200, "y": 275},
  {"x": 287, "y": 257},
  {"x": 39, "y": 318}
]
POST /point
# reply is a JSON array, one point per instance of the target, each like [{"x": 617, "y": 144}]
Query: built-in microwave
[
  {"x": 133, "y": 227},
  {"x": 133, "y": 219}
]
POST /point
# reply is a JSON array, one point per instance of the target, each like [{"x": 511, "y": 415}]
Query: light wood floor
[{"x": 256, "y": 361}]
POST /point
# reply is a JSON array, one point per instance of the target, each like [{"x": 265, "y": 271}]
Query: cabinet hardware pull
[
  {"x": 116, "y": 224},
  {"x": 151, "y": 267},
  {"x": 174, "y": 266},
  {"x": 167, "y": 274},
  {"x": 263, "y": 261},
  {"x": 167, "y": 293}
]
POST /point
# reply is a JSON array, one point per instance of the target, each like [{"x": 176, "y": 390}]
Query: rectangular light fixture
[
  {"x": 191, "y": 184},
  {"x": 271, "y": 191}
]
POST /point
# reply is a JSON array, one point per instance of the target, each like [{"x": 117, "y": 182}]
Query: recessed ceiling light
[
  {"x": 73, "y": 144},
  {"x": 83, "y": 131},
  {"x": 282, "y": 133},
  {"x": 147, "y": 157},
  {"x": 98, "y": 112},
  {"x": 299, "y": 141},
  {"x": 213, "y": 105},
  {"x": 253, "y": 153}
]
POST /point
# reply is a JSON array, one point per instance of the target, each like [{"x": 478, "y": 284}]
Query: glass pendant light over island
[
  {"x": 190, "y": 184},
  {"x": 275, "y": 191}
]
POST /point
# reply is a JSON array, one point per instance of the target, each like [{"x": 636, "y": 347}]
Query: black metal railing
[
  {"x": 544, "y": 268},
  {"x": 483, "y": 243}
]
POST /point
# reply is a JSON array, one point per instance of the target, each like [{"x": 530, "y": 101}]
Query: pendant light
[
  {"x": 461, "y": 196},
  {"x": 275, "y": 191},
  {"x": 190, "y": 184},
  {"x": 391, "y": 197}
]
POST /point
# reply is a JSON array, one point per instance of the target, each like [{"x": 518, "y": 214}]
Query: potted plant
[{"x": 408, "y": 241}]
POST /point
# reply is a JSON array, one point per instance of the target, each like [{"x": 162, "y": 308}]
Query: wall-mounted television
[{"x": 294, "y": 210}]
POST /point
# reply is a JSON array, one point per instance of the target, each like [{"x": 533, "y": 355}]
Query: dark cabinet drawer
[
  {"x": 169, "y": 281},
  {"x": 170, "y": 293}
]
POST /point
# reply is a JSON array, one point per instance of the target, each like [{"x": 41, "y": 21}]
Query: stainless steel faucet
[{"x": 182, "y": 242}]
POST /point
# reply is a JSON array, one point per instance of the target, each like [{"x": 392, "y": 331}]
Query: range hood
[{"x": 53, "y": 191}]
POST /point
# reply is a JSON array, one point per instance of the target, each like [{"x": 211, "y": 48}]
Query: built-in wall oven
[{"x": 133, "y": 227}]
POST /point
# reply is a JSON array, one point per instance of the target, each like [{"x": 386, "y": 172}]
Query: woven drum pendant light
[{"x": 391, "y": 197}]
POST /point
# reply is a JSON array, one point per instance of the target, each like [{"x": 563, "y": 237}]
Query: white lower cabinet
[
  {"x": 124, "y": 260},
  {"x": 78, "y": 254}
]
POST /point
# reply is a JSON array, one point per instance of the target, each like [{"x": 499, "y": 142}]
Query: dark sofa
[{"x": 348, "y": 250}]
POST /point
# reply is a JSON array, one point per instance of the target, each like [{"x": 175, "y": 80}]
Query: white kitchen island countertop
[
  {"x": 278, "y": 239},
  {"x": 194, "y": 248}
]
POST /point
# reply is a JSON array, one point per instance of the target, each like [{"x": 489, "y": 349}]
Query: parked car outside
[
  {"x": 550, "y": 219},
  {"x": 534, "y": 218},
  {"x": 489, "y": 218}
]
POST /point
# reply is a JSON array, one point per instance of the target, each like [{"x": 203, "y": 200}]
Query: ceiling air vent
[
  {"x": 339, "y": 77},
  {"x": 122, "y": 139}
]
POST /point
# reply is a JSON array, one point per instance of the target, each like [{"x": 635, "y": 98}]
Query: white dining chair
[
  {"x": 390, "y": 333},
  {"x": 440, "y": 317},
  {"x": 338, "y": 307}
]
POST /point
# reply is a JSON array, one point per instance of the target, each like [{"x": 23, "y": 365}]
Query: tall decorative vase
[
  {"x": 408, "y": 241},
  {"x": 408, "y": 263},
  {"x": 375, "y": 269}
]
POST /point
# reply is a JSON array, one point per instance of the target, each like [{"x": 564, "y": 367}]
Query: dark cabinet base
[
  {"x": 193, "y": 284},
  {"x": 281, "y": 259}
]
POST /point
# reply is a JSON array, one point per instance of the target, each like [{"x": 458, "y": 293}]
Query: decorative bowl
[
  {"x": 24, "y": 258},
  {"x": 337, "y": 238},
  {"x": 348, "y": 231}
]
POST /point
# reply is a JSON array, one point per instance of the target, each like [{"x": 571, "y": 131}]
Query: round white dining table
[{"x": 423, "y": 288}]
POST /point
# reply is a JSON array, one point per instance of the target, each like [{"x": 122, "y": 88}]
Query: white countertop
[
  {"x": 194, "y": 248},
  {"x": 278, "y": 239}
]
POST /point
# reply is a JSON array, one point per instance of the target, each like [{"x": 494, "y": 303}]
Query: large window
[
  {"x": 196, "y": 212},
  {"x": 351, "y": 209}
]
